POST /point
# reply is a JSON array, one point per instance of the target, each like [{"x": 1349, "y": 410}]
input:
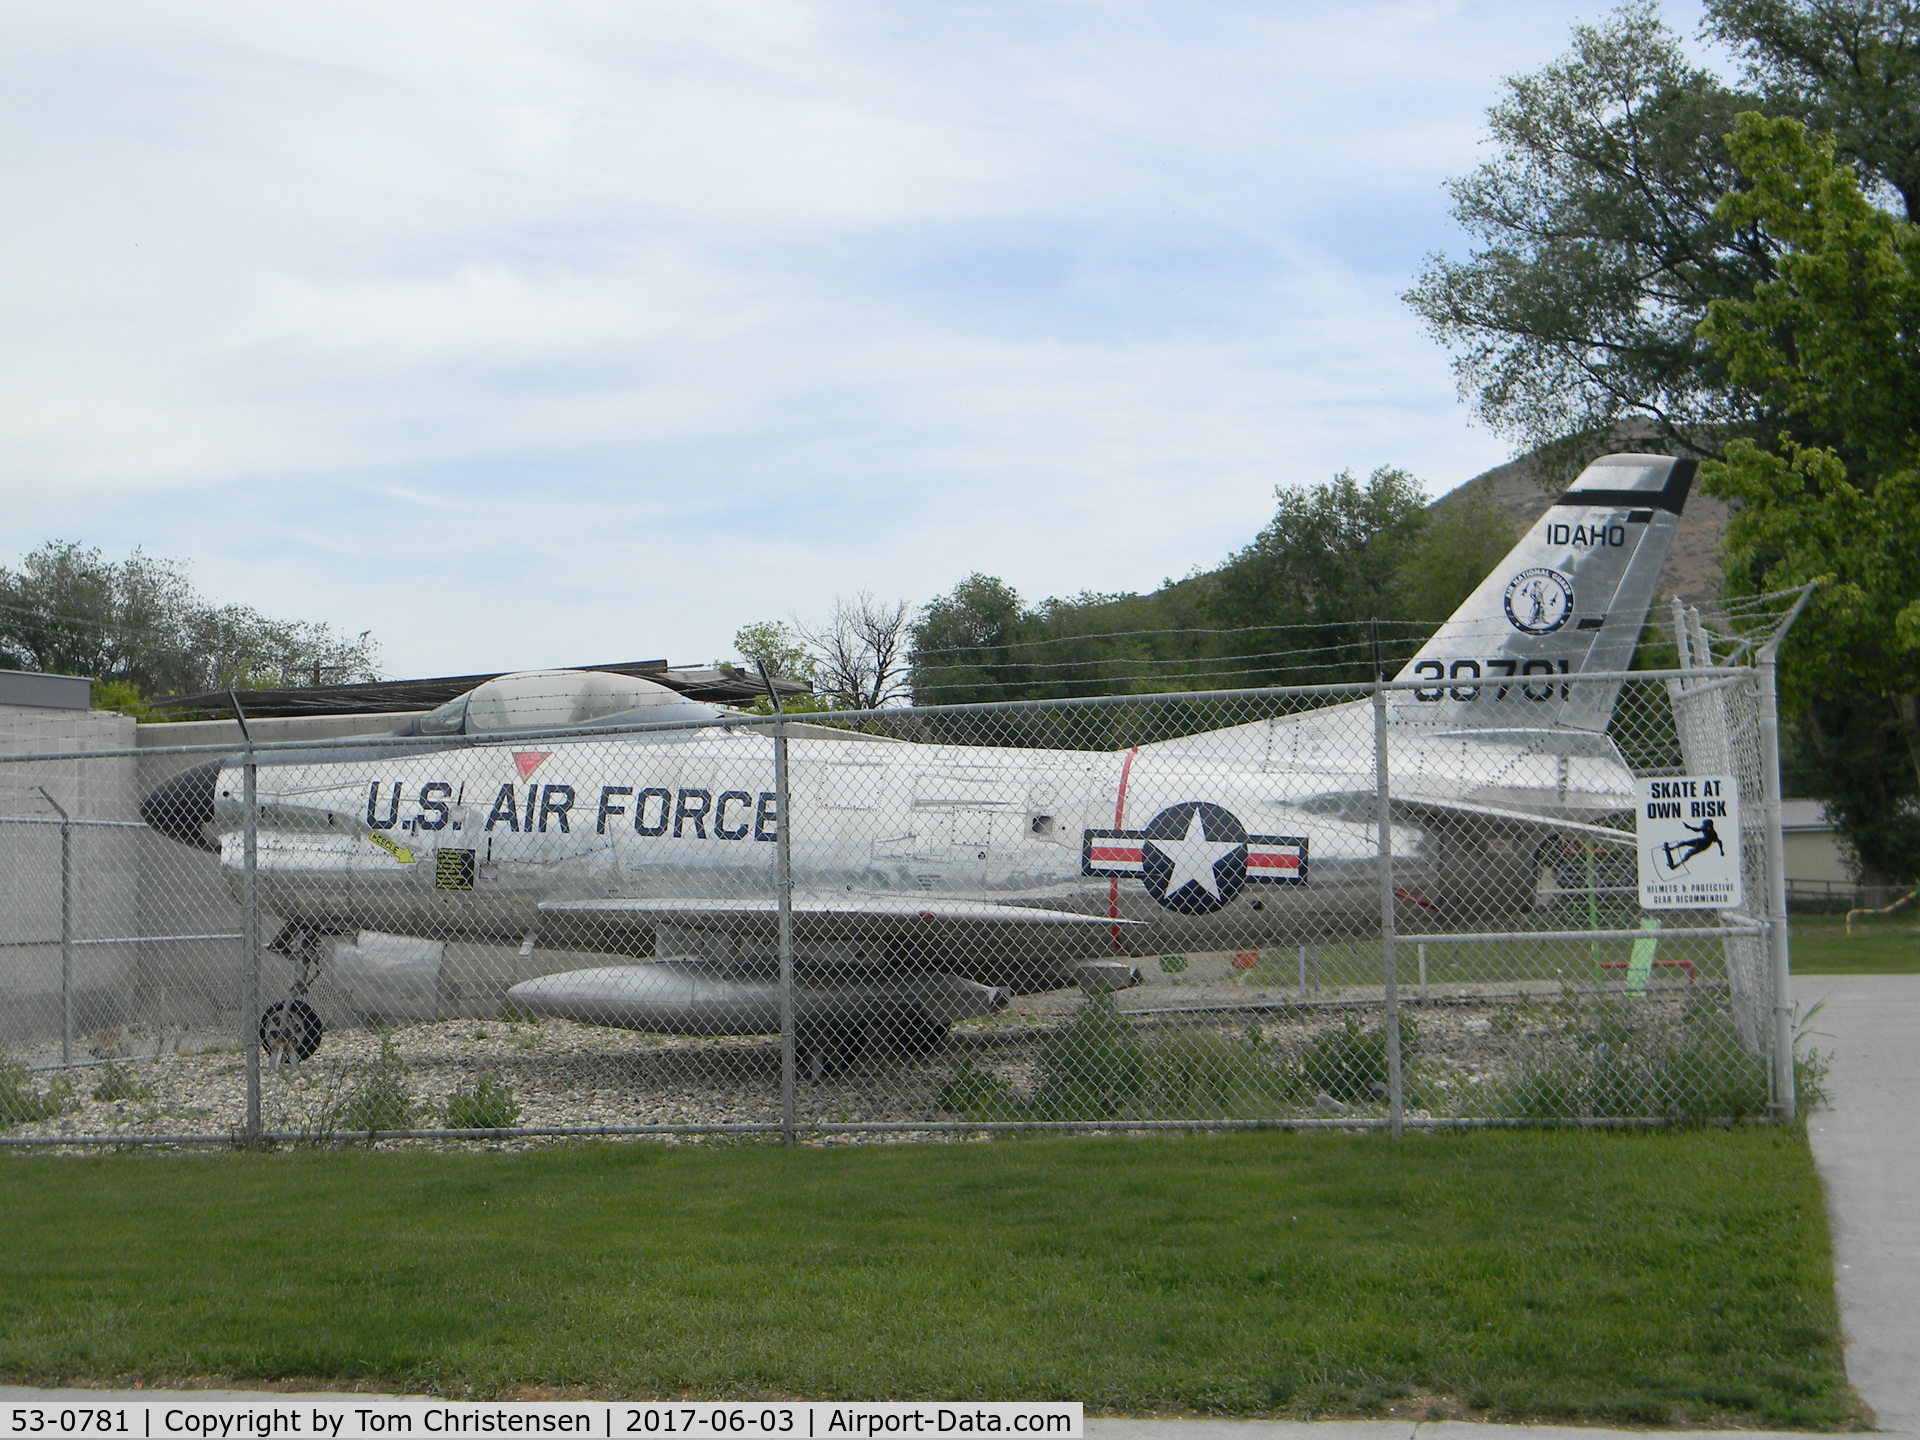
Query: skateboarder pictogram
[{"x": 1709, "y": 840}]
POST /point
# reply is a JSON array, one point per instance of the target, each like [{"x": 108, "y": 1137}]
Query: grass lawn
[
  {"x": 1821, "y": 946},
  {"x": 1659, "y": 1278}
]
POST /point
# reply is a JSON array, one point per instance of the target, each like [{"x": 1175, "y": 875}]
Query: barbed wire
[
  {"x": 1188, "y": 630},
  {"x": 1150, "y": 660},
  {"x": 1326, "y": 665}
]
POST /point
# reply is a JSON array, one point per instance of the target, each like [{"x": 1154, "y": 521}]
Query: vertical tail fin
[{"x": 1570, "y": 598}]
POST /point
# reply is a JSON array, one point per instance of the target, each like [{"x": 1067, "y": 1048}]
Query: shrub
[
  {"x": 1092, "y": 1069},
  {"x": 975, "y": 1095},
  {"x": 21, "y": 1102},
  {"x": 489, "y": 1105},
  {"x": 1350, "y": 1061}
]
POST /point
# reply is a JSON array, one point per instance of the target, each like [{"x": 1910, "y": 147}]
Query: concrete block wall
[{"x": 101, "y": 899}]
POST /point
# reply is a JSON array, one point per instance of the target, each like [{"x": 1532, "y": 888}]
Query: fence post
[
  {"x": 250, "y": 916},
  {"x": 66, "y": 926},
  {"x": 1785, "y": 1102},
  {"x": 1396, "y": 1094},
  {"x": 783, "y": 895}
]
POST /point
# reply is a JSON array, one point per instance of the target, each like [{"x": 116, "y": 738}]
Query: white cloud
[{"x": 539, "y": 333}]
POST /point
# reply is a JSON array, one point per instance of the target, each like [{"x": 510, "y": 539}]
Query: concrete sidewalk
[{"x": 1867, "y": 1145}]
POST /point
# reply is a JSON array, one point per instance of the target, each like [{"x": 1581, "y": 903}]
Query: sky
[{"x": 537, "y": 334}]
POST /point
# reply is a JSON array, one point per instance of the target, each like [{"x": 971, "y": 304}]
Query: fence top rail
[
  {"x": 743, "y": 720},
  {"x": 74, "y": 824}
]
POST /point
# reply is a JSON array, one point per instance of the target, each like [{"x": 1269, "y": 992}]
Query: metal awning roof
[{"x": 719, "y": 684}]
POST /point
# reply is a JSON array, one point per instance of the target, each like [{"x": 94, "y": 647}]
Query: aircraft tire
[
  {"x": 914, "y": 1033},
  {"x": 826, "y": 1050},
  {"x": 290, "y": 1028}
]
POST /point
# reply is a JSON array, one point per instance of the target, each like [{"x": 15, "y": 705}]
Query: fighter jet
[{"x": 585, "y": 812}]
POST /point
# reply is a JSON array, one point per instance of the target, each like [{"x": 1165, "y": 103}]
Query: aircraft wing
[{"x": 848, "y": 910}]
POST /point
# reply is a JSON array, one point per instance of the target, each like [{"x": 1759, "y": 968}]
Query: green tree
[
  {"x": 1465, "y": 536},
  {"x": 1598, "y": 248},
  {"x": 1847, "y": 68},
  {"x": 139, "y": 623},
  {"x": 1599, "y": 244},
  {"x": 784, "y": 652},
  {"x": 775, "y": 645},
  {"x": 1329, "y": 562},
  {"x": 1833, "y": 345},
  {"x": 1295, "y": 606},
  {"x": 961, "y": 645}
]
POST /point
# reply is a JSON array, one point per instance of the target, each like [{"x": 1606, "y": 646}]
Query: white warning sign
[{"x": 1689, "y": 843}]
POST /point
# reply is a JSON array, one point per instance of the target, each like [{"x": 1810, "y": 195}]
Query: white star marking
[{"x": 1194, "y": 856}]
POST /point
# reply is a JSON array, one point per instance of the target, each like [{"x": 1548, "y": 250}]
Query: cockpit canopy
[{"x": 541, "y": 699}]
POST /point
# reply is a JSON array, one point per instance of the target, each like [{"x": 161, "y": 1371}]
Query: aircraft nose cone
[{"x": 182, "y": 808}]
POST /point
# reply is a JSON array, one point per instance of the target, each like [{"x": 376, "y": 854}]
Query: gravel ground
[{"x": 563, "y": 1074}]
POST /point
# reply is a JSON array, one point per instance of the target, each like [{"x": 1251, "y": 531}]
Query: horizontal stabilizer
[{"x": 1508, "y": 815}]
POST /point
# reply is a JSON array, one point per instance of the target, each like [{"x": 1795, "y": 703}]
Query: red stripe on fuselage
[
  {"x": 1269, "y": 861},
  {"x": 1119, "y": 823}
]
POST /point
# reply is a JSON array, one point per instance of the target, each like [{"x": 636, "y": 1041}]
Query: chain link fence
[{"x": 1394, "y": 905}]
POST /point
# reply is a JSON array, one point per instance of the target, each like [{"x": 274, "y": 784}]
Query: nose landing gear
[{"x": 290, "y": 1029}]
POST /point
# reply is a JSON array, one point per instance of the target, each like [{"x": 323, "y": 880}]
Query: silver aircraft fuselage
[{"x": 665, "y": 842}]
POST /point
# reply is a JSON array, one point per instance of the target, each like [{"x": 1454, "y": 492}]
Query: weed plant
[
  {"x": 976, "y": 1095},
  {"x": 1611, "y": 1060},
  {"x": 22, "y": 1102},
  {"x": 1590, "y": 1057},
  {"x": 1098, "y": 1068},
  {"x": 119, "y": 1083},
  {"x": 487, "y": 1105},
  {"x": 382, "y": 1100},
  {"x": 1220, "y": 1077}
]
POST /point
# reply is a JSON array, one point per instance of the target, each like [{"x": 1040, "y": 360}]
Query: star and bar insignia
[{"x": 1194, "y": 857}]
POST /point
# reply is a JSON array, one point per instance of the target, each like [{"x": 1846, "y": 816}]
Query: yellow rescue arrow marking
[{"x": 399, "y": 852}]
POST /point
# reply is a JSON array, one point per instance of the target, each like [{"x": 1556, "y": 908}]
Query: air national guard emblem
[
  {"x": 1539, "y": 601},
  {"x": 1196, "y": 856}
]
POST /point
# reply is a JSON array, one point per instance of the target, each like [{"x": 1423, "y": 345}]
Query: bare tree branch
[{"x": 859, "y": 654}]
